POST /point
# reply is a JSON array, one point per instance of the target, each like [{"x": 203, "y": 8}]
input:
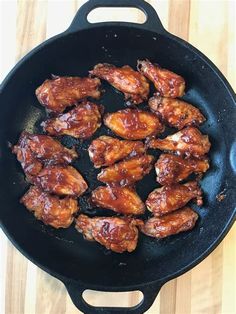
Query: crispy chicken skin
[
  {"x": 106, "y": 150},
  {"x": 189, "y": 142},
  {"x": 132, "y": 83},
  {"x": 61, "y": 180},
  {"x": 127, "y": 172},
  {"x": 133, "y": 124},
  {"x": 160, "y": 227},
  {"x": 35, "y": 150},
  {"x": 80, "y": 122},
  {"x": 50, "y": 208},
  {"x": 176, "y": 113},
  {"x": 172, "y": 169},
  {"x": 123, "y": 200},
  {"x": 169, "y": 198},
  {"x": 61, "y": 92},
  {"x": 167, "y": 83},
  {"x": 115, "y": 233}
]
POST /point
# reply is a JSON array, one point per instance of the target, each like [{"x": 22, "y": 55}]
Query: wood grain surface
[{"x": 211, "y": 286}]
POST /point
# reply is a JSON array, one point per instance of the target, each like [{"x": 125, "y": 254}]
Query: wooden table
[{"x": 208, "y": 288}]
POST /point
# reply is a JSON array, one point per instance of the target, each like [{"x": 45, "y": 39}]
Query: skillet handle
[
  {"x": 149, "y": 295},
  {"x": 152, "y": 22}
]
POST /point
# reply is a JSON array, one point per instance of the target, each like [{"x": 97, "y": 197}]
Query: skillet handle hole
[
  {"x": 112, "y": 299},
  {"x": 116, "y": 14}
]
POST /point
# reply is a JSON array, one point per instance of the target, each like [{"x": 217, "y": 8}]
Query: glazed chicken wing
[
  {"x": 169, "y": 198},
  {"x": 132, "y": 83},
  {"x": 35, "y": 150},
  {"x": 176, "y": 113},
  {"x": 29, "y": 163},
  {"x": 81, "y": 122},
  {"x": 160, "y": 227},
  {"x": 123, "y": 200},
  {"x": 189, "y": 141},
  {"x": 133, "y": 124},
  {"x": 127, "y": 172},
  {"x": 172, "y": 169},
  {"x": 61, "y": 180},
  {"x": 167, "y": 83},
  {"x": 61, "y": 92},
  {"x": 106, "y": 150},
  {"x": 115, "y": 233},
  {"x": 49, "y": 150},
  {"x": 50, "y": 208}
]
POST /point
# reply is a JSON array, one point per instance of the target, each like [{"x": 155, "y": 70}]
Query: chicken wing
[
  {"x": 169, "y": 198},
  {"x": 176, "y": 113},
  {"x": 81, "y": 122},
  {"x": 167, "y": 83},
  {"x": 61, "y": 180},
  {"x": 115, "y": 233},
  {"x": 35, "y": 150},
  {"x": 133, "y": 124},
  {"x": 61, "y": 92},
  {"x": 132, "y": 83},
  {"x": 31, "y": 165},
  {"x": 189, "y": 141},
  {"x": 123, "y": 200},
  {"x": 172, "y": 169},
  {"x": 182, "y": 220},
  {"x": 127, "y": 172},
  {"x": 50, "y": 208},
  {"x": 106, "y": 150},
  {"x": 49, "y": 150}
]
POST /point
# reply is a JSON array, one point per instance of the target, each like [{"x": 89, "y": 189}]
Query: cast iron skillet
[{"x": 64, "y": 254}]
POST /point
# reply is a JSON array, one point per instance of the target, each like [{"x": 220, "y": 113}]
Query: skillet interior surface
[{"x": 65, "y": 252}]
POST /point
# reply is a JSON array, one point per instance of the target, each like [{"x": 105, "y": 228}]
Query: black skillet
[{"x": 65, "y": 254}]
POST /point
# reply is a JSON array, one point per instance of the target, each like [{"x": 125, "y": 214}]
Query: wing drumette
[
  {"x": 61, "y": 180},
  {"x": 189, "y": 141},
  {"x": 127, "y": 172},
  {"x": 176, "y": 113},
  {"x": 133, "y": 124},
  {"x": 115, "y": 233},
  {"x": 80, "y": 122},
  {"x": 61, "y": 92},
  {"x": 172, "y": 169},
  {"x": 35, "y": 150},
  {"x": 50, "y": 208},
  {"x": 132, "y": 83},
  {"x": 160, "y": 227},
  {"x": 167, "y": 83},
  {"x": 169, "y": 198},
  {"x": 123, "y": 200},
  {"x": 106, "y": 150}
]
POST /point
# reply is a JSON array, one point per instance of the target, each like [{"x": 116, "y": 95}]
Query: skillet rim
[{"x": 229, "y": 90}]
